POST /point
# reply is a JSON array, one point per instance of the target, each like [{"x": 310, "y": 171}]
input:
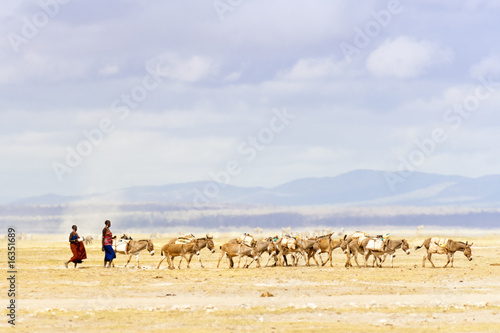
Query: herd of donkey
[{"x": 278, "y": 248}]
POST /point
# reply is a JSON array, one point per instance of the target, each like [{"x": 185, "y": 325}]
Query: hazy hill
[
  {"x": 356, "y": 188},
  {"x": 357, "y": 198}
]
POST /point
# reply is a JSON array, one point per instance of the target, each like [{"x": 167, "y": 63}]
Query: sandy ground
[{"x": 408, "y": 297}]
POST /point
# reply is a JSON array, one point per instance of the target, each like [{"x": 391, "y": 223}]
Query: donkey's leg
[
  {"x": 356, "y": 259},
  {"x": 199, "y": 259},
  {"x": 137, "y": 259},
  {"x": 365, "y": 257},
  {"x": 430, "y": 260},
  {"x": 257, "y": 260},
  {"x": 450, "y": 259},
  {"x": 269, "y": 259},
  {"x": 239, "y": 260},
  {"x": 448, "y": 256},
  {"x": 186, "y": 256},
  {"x": 189, "y": 258},
  {"x": 323, "y": 262},
  {"x": 129, "y": 257},
  {"x": 320, "y": 258},
  {"x": 247, "y": 265},
  {"x": 376, "y": 260},
  {"x": 348, "y": 260},
  {"x": 385, "y": 257},
  {"x": 314, "y": 257},
  {"x": 169, "y": 261},
  {"x": 163, "y": 258},
  {"x": 307, "y": 258},
  {"x": 220, "y": 258}
]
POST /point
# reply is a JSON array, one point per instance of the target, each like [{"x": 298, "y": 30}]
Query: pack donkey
[
  {"x": 390, "y": 248},
  {"x": 309, "y": 248},
  {"x": 132, "y": 247},
  {"x": 285, "y": 246},
  {"x": 444, "y": 246},
  {"x": 326, "y": 244},
  {"x": 186, "y": 251},
  {"x": 351, "y": 248},
  {"x": 354, "y": 244},
  {"x": 232, "y": 250}
]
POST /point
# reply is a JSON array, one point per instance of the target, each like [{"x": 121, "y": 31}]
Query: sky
[{"x": 100, "y": 95}]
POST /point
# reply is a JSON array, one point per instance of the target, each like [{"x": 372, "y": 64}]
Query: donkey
[
  {"x": 186, "y": 251},
  {"x": 88, "y": 240},
  {"x": 261, "y": 246},
  {"x": 326, "y": 245},
  {"x": 266, "y": 245},
  {"x": 309, "y": 248},
  {"x": 284, "y": 250},
  {"x": 238, "y": 250},
  {"x": 448, "y": 247},
  {"x": 390, "y": 248},
  {"x": 351, "y": 247},
  {"x": 132, "y": 247},
  {"x": 207, "y": 241}
]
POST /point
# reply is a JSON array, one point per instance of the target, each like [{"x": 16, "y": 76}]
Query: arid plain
[{"x": 407, "y": 298}]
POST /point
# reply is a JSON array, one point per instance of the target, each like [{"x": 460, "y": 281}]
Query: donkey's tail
[{"x": 418, "y": 247}]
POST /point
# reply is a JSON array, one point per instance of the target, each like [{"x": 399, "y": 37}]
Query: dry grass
[{"x": 407, "y": 297}]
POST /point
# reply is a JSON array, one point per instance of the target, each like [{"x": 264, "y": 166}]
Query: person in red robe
[{"x": 77, "y": 247}]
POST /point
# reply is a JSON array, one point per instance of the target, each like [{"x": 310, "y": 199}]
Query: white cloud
[
  {"x": 232, "y": 77},
  {"x": 314, "y": 68},
  {"x": 405, "y": 57},
  {"x": 487, "y": 66},
  {"x": 108, "y": 70},
  {"x": 184, "y": 69},
  {"x": 38, "y": 66}
]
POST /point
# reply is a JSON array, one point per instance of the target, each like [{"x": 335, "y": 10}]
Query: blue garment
[{"x": 109, "y": 252}]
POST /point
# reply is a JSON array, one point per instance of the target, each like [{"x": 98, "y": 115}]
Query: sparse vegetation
[{"x": 407, "y": 297}]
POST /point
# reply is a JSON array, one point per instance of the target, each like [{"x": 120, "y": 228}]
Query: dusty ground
[{"x": 407, "y": 297}]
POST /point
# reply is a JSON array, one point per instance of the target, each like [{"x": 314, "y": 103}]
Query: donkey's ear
[
  {"x": 467, "y": 243},
  {"x": 471, "y": 244},
  {"x": 345, "y": 236}
]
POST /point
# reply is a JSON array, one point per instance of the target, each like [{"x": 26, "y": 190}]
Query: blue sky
[{"x": 97, "y": 96}]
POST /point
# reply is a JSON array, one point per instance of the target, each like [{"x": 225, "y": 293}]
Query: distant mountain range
[{"x": 355, "y": 188}]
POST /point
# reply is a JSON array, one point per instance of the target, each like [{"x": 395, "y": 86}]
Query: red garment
[
  {"x": 108, "y": 238},
  {"x": 79, "y": 252}
]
